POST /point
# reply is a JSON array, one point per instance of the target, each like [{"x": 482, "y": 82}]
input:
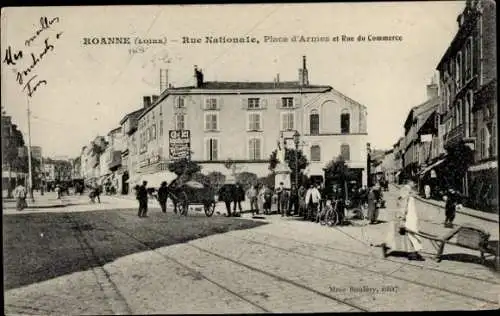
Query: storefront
[{"x": 483, "y": 187}]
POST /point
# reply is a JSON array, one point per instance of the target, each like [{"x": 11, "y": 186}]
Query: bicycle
[{"x": 331, "y": 218}]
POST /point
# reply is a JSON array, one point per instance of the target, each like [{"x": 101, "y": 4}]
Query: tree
[
  {"x": 337, "y": 171},
  {"x": 246, "y": 179},
  {"x": 201, "y": 178},
  {"x": 291, "y": 156},
  {"x": 216, "y": 179},
  {"x": 184, "y": 167}
]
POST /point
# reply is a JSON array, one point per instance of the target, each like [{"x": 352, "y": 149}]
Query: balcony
[{"x": 116, "y": 160}]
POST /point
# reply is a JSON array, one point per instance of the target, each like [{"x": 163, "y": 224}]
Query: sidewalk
[
  {"x": 48, "y": 200},
  {"x": 490, "y": 217}
]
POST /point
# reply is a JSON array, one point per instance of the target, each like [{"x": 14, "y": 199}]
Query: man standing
[
  {"x": 252, "y": 195},
  {"x": 372, "y": 206},
  {"x": 239, "y": 196},
  {"x": 162, "y": 196},
  {"x": 279, "y": 194},
  {"x": 294, "y": 201},
  {"x": 142, "y": 196},
  {"x": 313, "y": 197},
  {"x": 452, "y": 203},
  {"x": 20, "y": 195},
  {"x": 226, "y": 195}
]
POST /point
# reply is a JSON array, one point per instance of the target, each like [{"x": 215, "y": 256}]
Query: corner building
[{"x": 243, "y": 121}]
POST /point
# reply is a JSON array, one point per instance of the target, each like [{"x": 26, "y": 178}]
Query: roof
[
  {"x": 131, "y": 114},
  {"x": 243, "y": 85}
]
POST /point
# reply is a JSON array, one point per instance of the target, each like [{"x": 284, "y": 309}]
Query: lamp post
[
  {"x": 30, "y": 172},
  {"x": 296, "y": 140},
  {"x": 368, "y": 165}
]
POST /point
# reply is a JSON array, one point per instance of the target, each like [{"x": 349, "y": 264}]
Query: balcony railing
[{"x": 454, "y": 136}]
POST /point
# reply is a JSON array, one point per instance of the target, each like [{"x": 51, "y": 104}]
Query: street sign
[{"x": 179, "y": 144}]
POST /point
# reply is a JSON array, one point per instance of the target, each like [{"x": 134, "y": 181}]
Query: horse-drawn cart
[{"x": 192, "y": 193}]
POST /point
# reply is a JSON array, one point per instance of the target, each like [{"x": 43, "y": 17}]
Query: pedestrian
[
  {"x": 279, "y": 194},
  {"x": 294, "y": 201},
  {"x": 404, "y": 228},
  {"x": 226, "y": 195},
  {"x": 372, "y": 206},
  {"x": 252, "y": 195},
  {"x": 20, "y": 194},
  {"x": 302, "y": 200},
  {"x": 58, "y": 191},
  {"x": 285, "y": 197},
  {"x": 340, "y": 206},
  {"x": 261, "y": 198},
  {"x": 162, "y": 196},
  {"x": 313, "y": 198},
  {"x": 97, "y": 193},
  {"x": 238, "y": 197},
  {"x": 453, "y": 201},
  {"x": 142, "y": 197},
  {"x": 268, "y": 200}
]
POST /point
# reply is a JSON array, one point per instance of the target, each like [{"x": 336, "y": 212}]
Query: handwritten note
[{"x": 28, "y": 59}]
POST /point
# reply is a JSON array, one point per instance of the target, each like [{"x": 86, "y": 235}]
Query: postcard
[{"x": 250, "y": 158}]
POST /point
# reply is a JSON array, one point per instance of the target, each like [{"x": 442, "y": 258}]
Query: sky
[{"x": 85, "y": 90}]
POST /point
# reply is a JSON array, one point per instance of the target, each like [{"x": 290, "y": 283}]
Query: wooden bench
[{"x": 467, "y": 236}]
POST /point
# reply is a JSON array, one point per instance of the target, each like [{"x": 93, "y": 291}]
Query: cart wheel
[{"x": 210, "y": 209}]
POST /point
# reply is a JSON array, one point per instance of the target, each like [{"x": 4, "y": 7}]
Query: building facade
[
  {"x": 242, "y": 122},
  {"x": 468, "y": 112}
]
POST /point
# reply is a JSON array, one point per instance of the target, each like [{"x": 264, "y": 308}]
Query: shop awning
[{"x": 428, "y": 168}]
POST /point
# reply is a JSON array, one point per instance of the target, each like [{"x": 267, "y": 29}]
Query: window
[
  {"x": 315, "y": 153},
  {"x": 448, "y": 97},
  {"x": 287, "y": 102},
  {"x": 161, "y": 127},
  {"x": 345, "y": 152},
  {"x": 212, "y": 149},
  {"x": 211, "y": 104},
  {"x": 161, "y": 111},
  {"x": 211, "y": 122},
  {"x": 287, "y": 121},
  {"x": 254, "y": 123},
  {"x": 458, "y": 69},
  {"x": 468, "y": 59},
  {"x": 253, "y": 103},
  {"x": 345, "y": 119},
  {"x": 180, "y": 103},
  {"x": 153, "y": 131},
  {"x": 485, "y": 138},
  {"x": 459, "y": 113},
  {"x": 254, "y": 148},
  {"x": 180, "y": 121},
  {"x": 314, "y": 123}
]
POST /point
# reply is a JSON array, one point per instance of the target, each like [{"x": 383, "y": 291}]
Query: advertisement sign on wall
[{"x": 179, "y": 144}]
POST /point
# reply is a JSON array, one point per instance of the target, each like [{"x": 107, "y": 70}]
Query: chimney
[
  {"x": 432, "y": 91},
  {"x": 303, "y": 77},
  {"x": 147, "y": 101},
  {"x": 199, "y": 77},
  {"x": 154, "y": 98}
]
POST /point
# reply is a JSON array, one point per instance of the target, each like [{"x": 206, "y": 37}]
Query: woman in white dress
[{"x": 405, "y": 225}]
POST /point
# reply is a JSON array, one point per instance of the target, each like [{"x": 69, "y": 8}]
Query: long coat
[{"x": 372, "y": 206}]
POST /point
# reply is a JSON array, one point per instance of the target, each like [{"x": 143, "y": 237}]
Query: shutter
[
  {"x": 296, "y": 102},
  {"x": 206, "y": 149},
  {"x": 220, "y": 102},
  {"x": 244, "y": 103},
  {"x": 261, "y": 126},
  {"x": 205, "y": 104}
]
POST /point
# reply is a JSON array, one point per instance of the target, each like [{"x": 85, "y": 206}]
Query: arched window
[
  {"x": 314, "y": 122},
  {"x": 345, "y": 152},
  {"x": 315, "y": 153},
  {"x": 345, "y": 121}
]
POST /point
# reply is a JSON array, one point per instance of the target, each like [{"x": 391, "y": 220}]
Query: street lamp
[
  {"x": 368, "y": 165},
  {"x": 296, "y": 140}
]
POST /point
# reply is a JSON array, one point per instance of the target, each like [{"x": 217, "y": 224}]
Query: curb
[{"x": 459, "y": 212}]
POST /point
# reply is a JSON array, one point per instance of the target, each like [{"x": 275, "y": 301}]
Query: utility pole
[{"x": 30, "y": 174}]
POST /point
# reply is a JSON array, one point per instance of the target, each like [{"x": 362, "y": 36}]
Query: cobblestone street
[{"x": 286, "y": 266}]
